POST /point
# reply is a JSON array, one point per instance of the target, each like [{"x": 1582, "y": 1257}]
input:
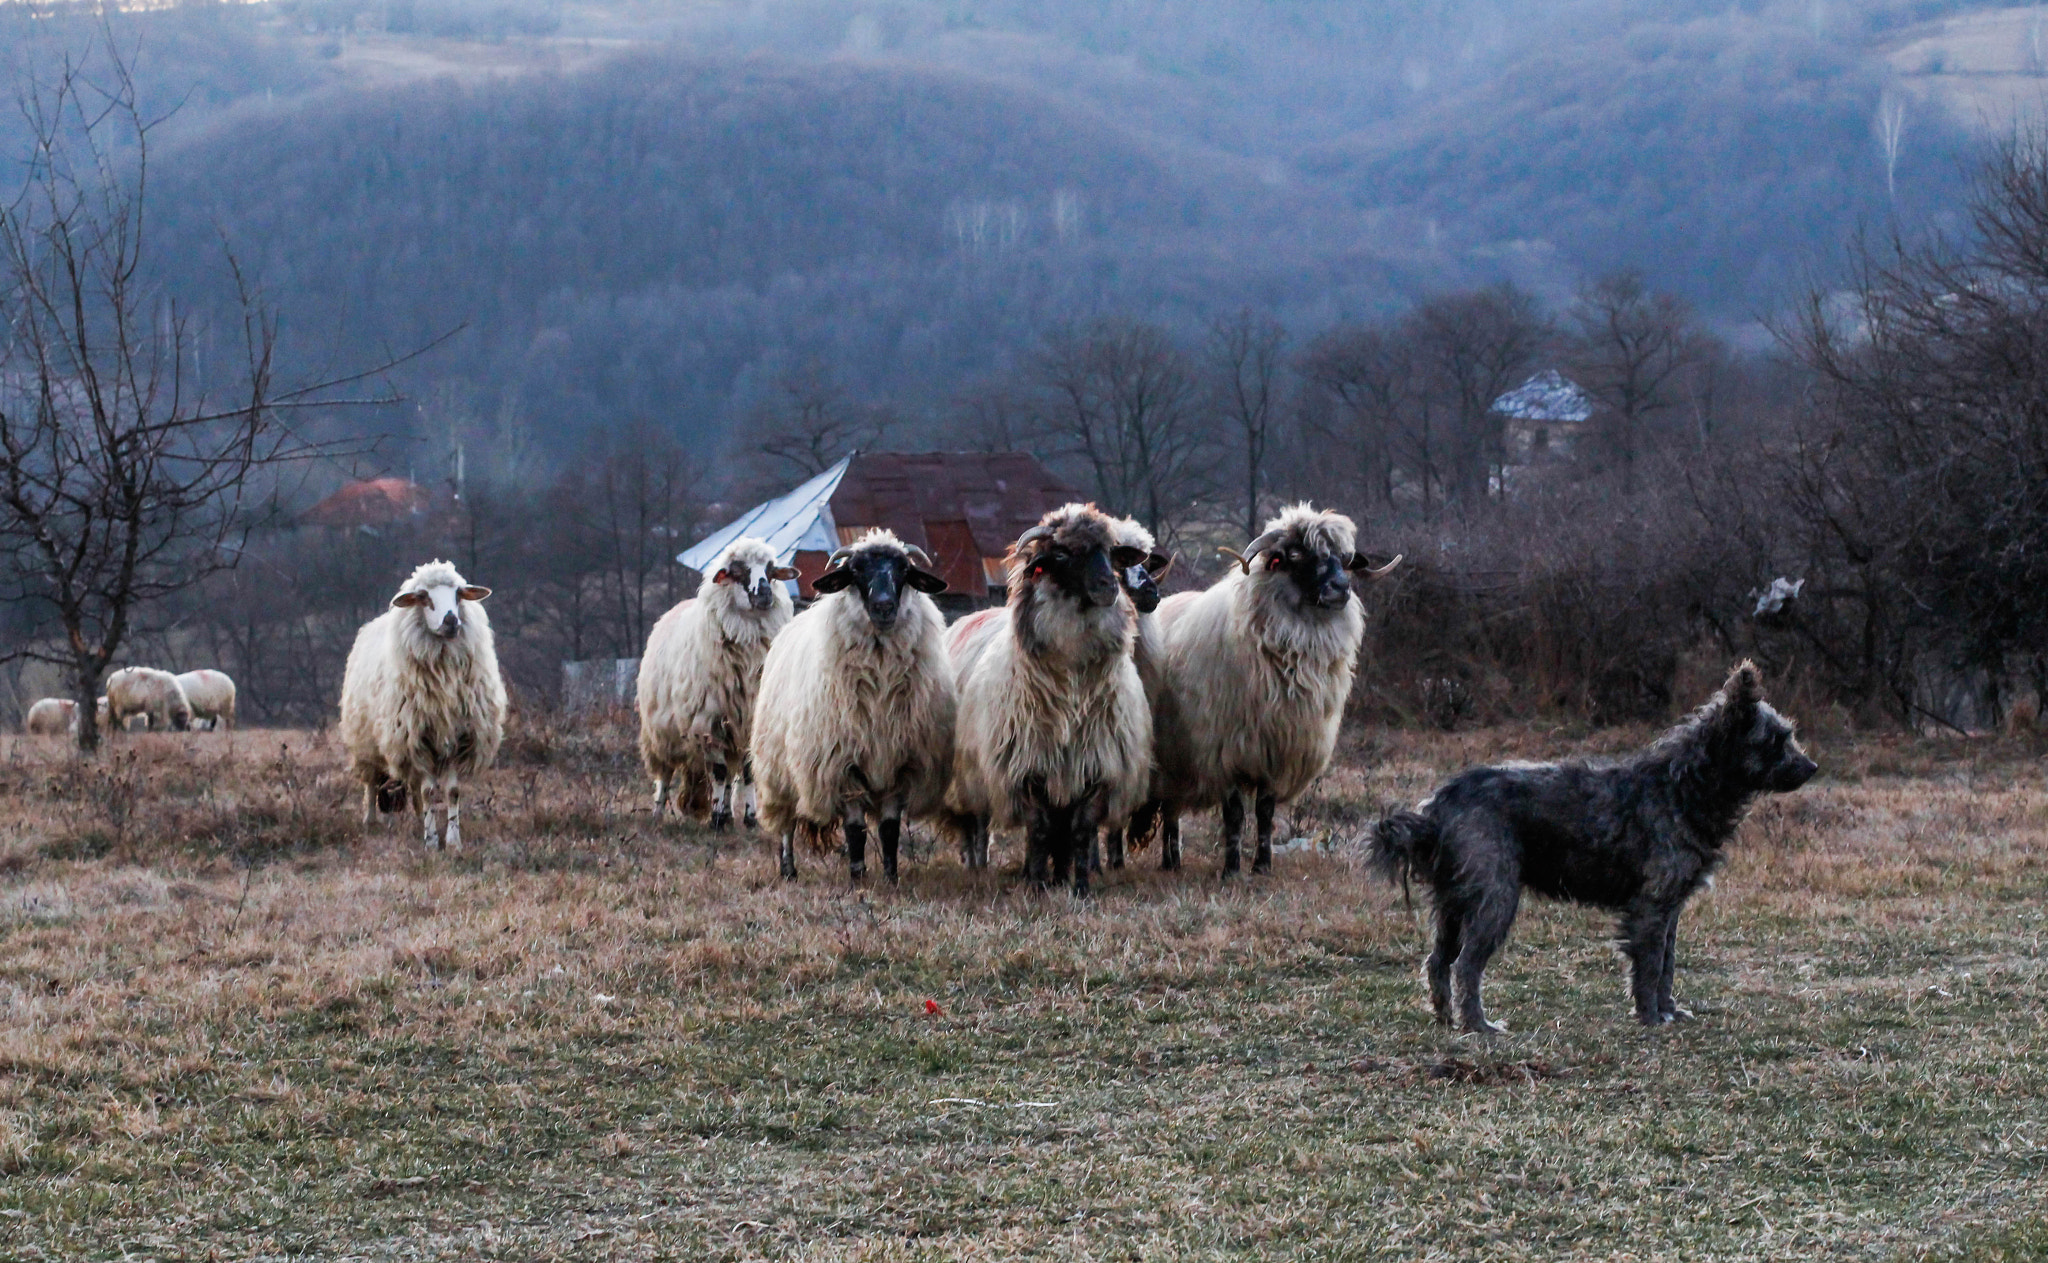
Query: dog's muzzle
[{"x": 1792, "y": 773}]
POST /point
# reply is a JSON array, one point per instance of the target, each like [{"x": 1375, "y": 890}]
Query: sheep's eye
[
  {"x": 1295, "y": 554},
  {"x": 1060, "y": 554}
]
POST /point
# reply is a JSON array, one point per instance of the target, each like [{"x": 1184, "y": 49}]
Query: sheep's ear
[
  {"x": 783, "y": 572},
  {"x": 473, "y": 592},
  {"x": 723, "y": 576},
  {"x": 832, "y": 581},
  {"x": 924, "y": 581},
  {"x": 406, "y": 600},
  {"x": 1125, "y": 556},
  {"x": 1158, "y": 564}
]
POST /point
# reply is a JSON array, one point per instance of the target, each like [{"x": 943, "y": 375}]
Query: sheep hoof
[
  {"x": 1262, "y": 866},
  {"x": 753, "y": 821},
  {"x": 721, "y": 820}
]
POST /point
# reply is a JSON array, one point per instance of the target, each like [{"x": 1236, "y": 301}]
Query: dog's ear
[{"x": 1745, "y": 686}]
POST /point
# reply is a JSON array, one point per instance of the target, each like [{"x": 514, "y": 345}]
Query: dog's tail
[{"x": 1404, "y": 846}]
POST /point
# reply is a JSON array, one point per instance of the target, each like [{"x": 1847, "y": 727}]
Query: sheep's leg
[
  {"x": 451, "y": 833},
  {"x": 1169, "y": 837},
  {"x": 430, "y": 805},
  {"x": 721, "y": 796},
  {"x": 1084, "y": 822},
  {"x": 1262, "y": 861},
  {"x": 892, "y": 832},
  {"x": 753, "y": 798},
  {"x": 1113, "y": 849},
  {"x": 369, "y": 804},
  {"x": 855, "y": 822},
  {"x": 981, "y": 831},
  {"x": 789, "y": 853},
  {"x": 664, "y": 781},
  {"x": 1233, "y": 832}
]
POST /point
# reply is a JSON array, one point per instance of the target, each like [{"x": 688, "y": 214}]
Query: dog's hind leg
[
  {"x": 1667, "y": 1006},
  {"x": 1437, "y": 968},
  {"x": 1485, "y": 928}
]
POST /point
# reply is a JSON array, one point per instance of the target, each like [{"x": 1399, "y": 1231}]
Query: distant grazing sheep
[
  {"x": 146, "y": 691},
  {"x": 51, "y": 717},
  {"x": 855, "y": 714},
  {"x": 211, "y": 695},
  {"x": 1261, "y": 665},
  {"x": 1054, "y": 734},
  {"x": 422, "y": 704},
  {"x": 699, "y": 676}
]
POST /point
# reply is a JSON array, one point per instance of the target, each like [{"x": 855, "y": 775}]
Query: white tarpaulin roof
[{"x": 801, "y": 519}]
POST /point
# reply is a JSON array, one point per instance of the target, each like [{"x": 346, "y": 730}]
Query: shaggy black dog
[{"x": 1638, "y": 836}]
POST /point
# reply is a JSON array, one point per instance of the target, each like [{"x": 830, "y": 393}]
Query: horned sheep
[
  {"x": 51, "y": 717},
  {"x": 422, "y": 704},
  {"x": 855, "y": 714},
  {"x": 1261, "y": 665},
  {"x": 1055, "y": 736},
  {"x": 700, "y": 674},
  {"x": 146, "y": 691},
  {"x": 211, "y": 695}
]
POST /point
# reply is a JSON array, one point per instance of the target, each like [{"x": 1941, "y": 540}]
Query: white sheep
[
  {"x": 1260, "y": 665},
  {"x": 211, "y": 695},
  {"x": 51, "y": 717},
  {"x": 1054, "y": 734},
  {"x": 422, "y": 704},
  {"x": 155, "y": 695},
  {"x": 699, "y": 676},
  {"x": 855, "y": 714}
]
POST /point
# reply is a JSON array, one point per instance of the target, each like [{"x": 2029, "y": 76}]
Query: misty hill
[{"x": 663, "y": 235}]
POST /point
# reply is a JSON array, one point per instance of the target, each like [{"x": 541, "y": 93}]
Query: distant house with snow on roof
[{"x": 1546, "y": 420}]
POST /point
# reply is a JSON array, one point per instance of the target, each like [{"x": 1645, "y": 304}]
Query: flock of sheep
[
  {"x": 161, "y": 700},
  {"x": 1084, "y": 705}
]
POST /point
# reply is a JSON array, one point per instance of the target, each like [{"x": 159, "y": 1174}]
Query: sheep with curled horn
[
  {"x": 1054, "y": 733},
  {"x": 699, "y": 676},
  {"x": 1148, "y": 652},
  {"x": 1260, "y": 665},
  {"x": 854, "y": 718}
]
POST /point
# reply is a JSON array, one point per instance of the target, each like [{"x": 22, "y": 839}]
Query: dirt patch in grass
[{"x": 234, "y": 1022}]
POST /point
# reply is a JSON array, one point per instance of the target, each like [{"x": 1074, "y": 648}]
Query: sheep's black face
[
  {"x": 1142, "y": 581},
  {"x": 1322, "y": 580},
  {"x": 881, "y": 574},
  {"x": 1087, "y": 573}
]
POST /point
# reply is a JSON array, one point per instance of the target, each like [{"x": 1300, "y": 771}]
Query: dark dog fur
[{"x": 1638, "y": 836}]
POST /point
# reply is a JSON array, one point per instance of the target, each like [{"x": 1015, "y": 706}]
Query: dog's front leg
[
  {"x": 1645, "y": 932},
  {"x": 1667, "y": 1006}
]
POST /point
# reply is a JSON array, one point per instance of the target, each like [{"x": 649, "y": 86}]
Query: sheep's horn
[
  {"x": 832, "y": 562},
  {"x": 918, "y": 555},
  {"x": 1261, "y": 544},
  {"x": 1036, "y": 532},
  {"x": 1387, "y": 569},
  {"x": 1236, "y": 556}
]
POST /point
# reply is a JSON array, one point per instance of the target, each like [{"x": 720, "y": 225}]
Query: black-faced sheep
[
  {"x": 1260, "y": 665},
  {"x": 211, "y": 695},
  {"x": 699, "y": 676},
  {"x": 855, "y": 714},
  {"x": 1141, "y": 586},
  {"x": 422, "y": 704},
  {"x": 1054, "y": 734},
  {"x": 153, "y": 694},
  {"x": 51, "y": 717}
]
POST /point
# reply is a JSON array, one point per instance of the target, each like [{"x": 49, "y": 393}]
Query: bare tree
[
  {"x": 1366, "y": 372},
  {"x": 1469, "y": 349},
  {"x": 812, "y": 424},
  {"x": 123, "y": 467},
  {"x": 1124, "y": 399},
  {"x": 1246, "y": 362},
  {"x": 1632, "y": 351},
  {"x": 640, "y": 515}
]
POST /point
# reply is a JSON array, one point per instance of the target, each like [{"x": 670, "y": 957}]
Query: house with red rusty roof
[
  {"x": 371, "y": 504},
  {"x": 965, "y": 509}
]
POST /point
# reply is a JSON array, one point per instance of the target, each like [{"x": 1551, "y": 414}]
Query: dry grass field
[{"x": 233, "y": 1027}]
